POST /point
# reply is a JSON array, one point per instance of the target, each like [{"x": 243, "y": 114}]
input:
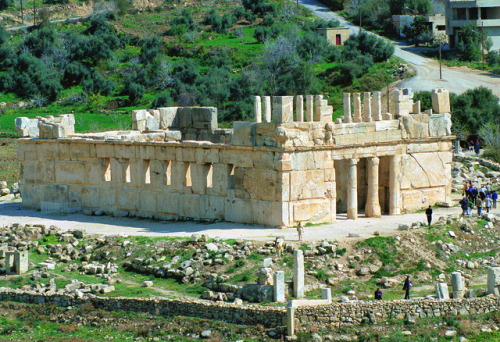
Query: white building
[{"x": 482, "y": 13}]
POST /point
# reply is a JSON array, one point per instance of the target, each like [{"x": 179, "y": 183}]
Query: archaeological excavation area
[{"x": 293, "y": 163}]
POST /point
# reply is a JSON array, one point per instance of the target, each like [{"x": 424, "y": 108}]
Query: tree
[
  {"x": 476, "y": 107},
  {"x": 150, "y": 48},
  {"x": 490, "y": 135},
  {"x": 418, "y": 31},
  {"x": 369, "y": 44},
  {"x": 470, "y": 42},
  {"x": 41, "y": 40}
]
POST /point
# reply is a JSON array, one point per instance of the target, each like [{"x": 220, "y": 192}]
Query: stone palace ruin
[{"x": 292, "y": 164}]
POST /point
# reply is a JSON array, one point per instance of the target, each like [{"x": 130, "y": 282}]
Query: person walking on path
[
  {"x": 488, "y": 189},
  {"x": 378, "y": 294},
  {"x": 494, "y": 197},
  {"x": 488, "y": 203},
  {"x": 428, "y": 213},
  {"x": 470, "y": 206},
  {"x": 479, "y": 205},
  {"x": 300, "y": 230},
  {"x": 406, "y": 287},
  {"x": 463, "y": 205},
  {"x": 477, "y": 146}
]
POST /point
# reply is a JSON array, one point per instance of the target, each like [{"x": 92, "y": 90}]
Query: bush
[
  {"x": 425, "y": 98},
  {"x": 74, "y": 73},
  {"x": 150, "y": 48},
  {"x": 314, "y": 47},
  {"x": 4, "y": 4},
  {"x": 162, "y": 100},
  {"x": 369, "y": 44},
  {"x": 186, "y": 71},
  {"x": 475, "y": 108},
  {"x": 268, "y": 20},
  {"x": 98, "y": 84},
  {"x": 40, "y": 41},
  {"x": 493, "y": 58},
  {"x": 134, "y": 91},
  {"x": 258, "y": 6}
]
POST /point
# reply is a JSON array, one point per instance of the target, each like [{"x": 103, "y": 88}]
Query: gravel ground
[{"x": 107, "y": 225}]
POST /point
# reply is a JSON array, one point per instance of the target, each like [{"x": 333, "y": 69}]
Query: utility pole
[
  {"x": 22, "y": 15},
  {"x": 440, "y": 70},
  {"x": 34, "y": 12},
  {"x": 482, "y": 41}
]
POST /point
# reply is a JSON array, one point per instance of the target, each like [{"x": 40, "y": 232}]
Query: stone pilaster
[
  {"x": 372, "y": 207},
  {"x": 257, "y": 109},
  {"x": 352, "y": 190},
  {"x": 357, "y": 107},
  {"x": 347, "y": 108},
  {"x": 309, "y": 108},
  {"x": 299, "y": 104},
  {"x": 394, "y": 185},
  {"x": 267, "y": 108},
  {"x": 367, "y": 107}
]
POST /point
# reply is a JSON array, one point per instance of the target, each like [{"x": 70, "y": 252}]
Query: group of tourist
[{"x": 485, "y": 197}]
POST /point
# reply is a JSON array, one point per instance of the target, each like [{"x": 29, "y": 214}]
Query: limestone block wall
[
  {"x": 196, "y": 180},
  {"x": 357, "y": 312}
]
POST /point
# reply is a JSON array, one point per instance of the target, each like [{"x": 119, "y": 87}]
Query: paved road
[{"x": 455, "y": 79}]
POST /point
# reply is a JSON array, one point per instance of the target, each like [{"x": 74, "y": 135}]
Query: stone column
[
  {"x": 279, "y": 286},
  {"x": 442, "y": 291},
  {"x": 357, "y": 107},
  {"x": 347, "y": 108},
  {"x": 299, "y": 104},
  {"x": 309, "y": 108},
  {"x": 352, "y": 190},
  {"x": 372, "y": 207},
  {"x": 367, "y": 107},
  {"x": 457, "y": 284},
  {"x": 267, "y": 108},
  {"x": 394, "y": 185},
  {"x": 290, "y": 320},
  {"x": 377, "y": 106},
  {"x": 257, "y": 109},
  {"x": 298, "y": 273}
]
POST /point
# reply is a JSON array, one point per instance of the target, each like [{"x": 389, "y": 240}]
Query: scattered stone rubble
[{"x": 7, "y": 194}]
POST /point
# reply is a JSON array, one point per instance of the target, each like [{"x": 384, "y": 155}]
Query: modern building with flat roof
[{"x": 485, "y": 14}]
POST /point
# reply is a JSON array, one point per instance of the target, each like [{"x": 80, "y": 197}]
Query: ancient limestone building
[{"x": 292, "y": 164}]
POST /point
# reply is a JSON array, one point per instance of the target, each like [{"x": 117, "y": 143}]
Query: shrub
[
  {"x": 474, "y": 108},
  {"x": 74, "y": 73},
  {"x": 493, "y": 58},
  {"x": 162, "y": 100},
  {"x": 150, "y": 48},
  {"x": 40, "y": 41},
  {"x": 98, "y": 84},
  {"x": 370, "y": 44},
  {"x": 134, "y": 91},
  {"x": 4, "y": 4},
  {"x": 268, "y": 20}
]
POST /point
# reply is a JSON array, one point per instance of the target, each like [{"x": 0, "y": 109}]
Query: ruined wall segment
[{"x": 292, "y": 164}]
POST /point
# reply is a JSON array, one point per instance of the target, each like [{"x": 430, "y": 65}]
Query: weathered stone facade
[{"x": 290, "y": 165}]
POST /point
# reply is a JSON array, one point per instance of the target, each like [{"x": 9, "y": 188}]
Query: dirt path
[
  {"x": 339, "y": 230},
  {"x": 455, "y": 79}
]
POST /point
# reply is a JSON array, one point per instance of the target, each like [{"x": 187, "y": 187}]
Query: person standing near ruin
[
  {"x": 406, "y": 287},
  {"x": 378, "y": 294},
  {"x": 300, "y": 230},
  {"x": 470, "y": 206},
  {"x": 428, "y": 213},
  {"x": 488, "y": 189},
  {"x": 488, "y": 203},
  {"x": 479, "y": 205},
  {"x": 494, "y": 197},
  {"x": 463, "y": 205},
  {"x": 477, "y": 147}
]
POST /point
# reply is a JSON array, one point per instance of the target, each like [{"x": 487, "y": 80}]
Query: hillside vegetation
[{"x": 218, "y": 54}]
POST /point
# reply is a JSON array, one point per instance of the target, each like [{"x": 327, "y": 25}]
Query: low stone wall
[
  {"x": 240, "y": 314},
  {"x": 483, "y": 162},
  {"x": 361, "y": 311},
  {"x": 350, "y": 313}
]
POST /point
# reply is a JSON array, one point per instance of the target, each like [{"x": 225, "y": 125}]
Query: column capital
[
  {"x": 353, "y": 161},
  {"x": 374, "y": 160}
]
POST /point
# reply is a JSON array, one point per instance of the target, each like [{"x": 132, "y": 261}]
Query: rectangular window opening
[
  {"x": 107, "y": 169},
  {"x": 127, "y": 171},
  {"x": 188, "y": 174},
  {"x": 210, "y": 175},
  {"x": 230, "y": 177},
  {"x": 168, "y": 173},
  {"x": 147, "y": 172}
]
